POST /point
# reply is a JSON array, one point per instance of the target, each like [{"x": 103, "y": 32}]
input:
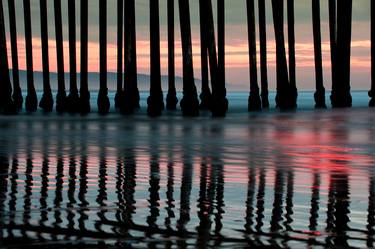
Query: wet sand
[{"x": 299, "y": 179}]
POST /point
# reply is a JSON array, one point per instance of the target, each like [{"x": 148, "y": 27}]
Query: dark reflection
[
  {"x": 71, "y": 184},
  {"x": 4, "y": 167},
  {"x": 28, "y": 183},
  {"x": 59, "y": 181},
  {"x": 154, "y": 182},
  {"x": 315, "y": 196},
  {"x": 83, "y": 188},
  {"x": 153, "y": 192},
  {"x": 44, "y": 181}
]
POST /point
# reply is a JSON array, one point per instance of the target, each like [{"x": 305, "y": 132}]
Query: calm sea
[{"x": 303, "y": 179}]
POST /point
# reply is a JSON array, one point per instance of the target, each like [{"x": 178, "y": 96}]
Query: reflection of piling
[
  {"x": 371, "y": 211},
  {"x": 289, "y": 201},
  {"x": 277, "y": 211},
  {"x": 12, "y": 205},
  {"x": 102, "y": 197},
  {"x": 103, "y": 100},
  {"x": 31, "y": 98},
  {"x": 338, "y": 210},
  {"x": 315, "y": 193},
  {"x": 260, "y": 199},
  {"x": 44, "y": 183},
  {"x": 3, "y": 190},
  {"x": 154, "y": 192},
  {"x": 46, "y": 103},
  {"x": 155, "y": 100},
  {"x": 205, "y": 95},
  {"x": 17, "y": 93},
  {"x": 250, "y": 201},
  {"x": 189, "y": 102},
  {"x": 84, "y": 90},
  {"x": 254, "y": 103},
  {"x": 73, "y": 98},
  {"x": 61, "y": 94},
  {"x": 263, "y": 52},
  {"x": 120, "y": 19},
  {"x": 372, "y": 91},
  {"x": 171, "y": 97},
  {"x": 320, "y": 101},
  {"x": 186, "y": 186}
]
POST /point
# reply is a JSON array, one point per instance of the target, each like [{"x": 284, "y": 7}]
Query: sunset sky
[{"x": 237, "y": 68}]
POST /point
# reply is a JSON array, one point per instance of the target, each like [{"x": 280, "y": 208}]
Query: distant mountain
[{"x": 143, "y": 81}]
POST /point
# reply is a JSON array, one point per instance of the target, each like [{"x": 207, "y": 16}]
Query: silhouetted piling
[
  {"x": 131, "y": 93},
  {"x": 46, "y": 103},
  {"x": 286, "y": 93},
  {"x": 292, "y": 47},
  {"x": 73, "y": 97},
  {"x": 84, "y": 90},
  {"x": 320, "y": 101},
  {"x": 372, "y": 91},
  {"x": 263, "y": 53},
  {"x": 219, "y": 104},
  {"x": 189, "y": 103},
  {"x": 61, "y": 102},
  {"x": 5, "y": 84},
  {"x": 17, "y": 92},
  {"x": 155, "y": 101},
  {"x": 332, "y": 37},
  {"x": 205, "y": 95},
  {"x": 120, "y": 19},
  {"x": 31, "y": 98},
  {"x": 103, "y": 100},
  {"x": 171, "y": 96},
  {"x": 7, "y": 105},
  {"x": 340, "y": 24},
  {"x": 254, "y": 103},
  {"x": 223, "y": 101}
]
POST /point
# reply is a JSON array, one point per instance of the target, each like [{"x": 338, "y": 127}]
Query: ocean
[{"x": 301, "y": 179}]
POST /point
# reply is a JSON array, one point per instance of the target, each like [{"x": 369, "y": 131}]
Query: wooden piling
[
  {"x": 171, "y": 96},
  {"x": 220, "y": 98},
  {"x": 319, "y": 95},
  {"x": 189, "y": 102},
  {"x": 7, "y": 105},
  {"x": 254, "y": 102},
  {"x": 219, "y": 102},
  {"x": 372, "y": 91},
  {"x": 285, "y": 97},
  {"x": 263, "y": 53},
  {"x": 46, "y": 103},
  {"x": 31, "y": 98},
  {"x": 120, "y": 19},
  {"x": 61, "y": 102},
  {"x": 17, "y": 92},
  {"x": 84, "y": 89},
  {"x": 103, "y": 100},
  {"x": 73, "y": 97},
  {"x": 341, "y": 96},
  {"x": 205, "y": 95},
  {"x": 155, "y": 101},
  {"x": 292, "y": 47},
  {"x": 131, "y": 93}
]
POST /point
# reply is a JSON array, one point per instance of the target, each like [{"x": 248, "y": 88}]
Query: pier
[{"x": 211, "y": 95}]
